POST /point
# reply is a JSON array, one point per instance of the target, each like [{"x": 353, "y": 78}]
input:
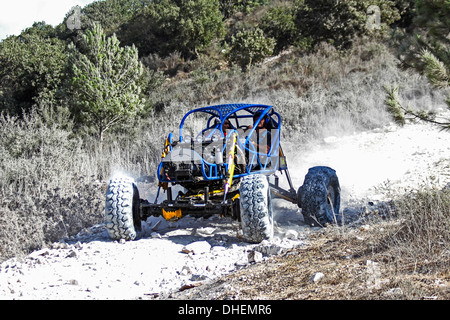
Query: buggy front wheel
[
  {"x": 256, "y": 208},
  {"x": 122, "y": 209}
]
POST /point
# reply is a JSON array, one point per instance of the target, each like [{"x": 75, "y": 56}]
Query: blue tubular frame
[{"x": 230, "y": 111}]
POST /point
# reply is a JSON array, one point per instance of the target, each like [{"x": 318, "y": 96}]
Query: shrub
[
  {"x": 32, "y": 69},
  {"x": 166, "y": 26},
  {"x": 46, "y": 191},
  {"x": 279, "y": 24},
  {"x": 339, "y": 22},
  {"x": 230, "y": 7},
  {"x": 250, "y": 47},
  {"x": 33, "y": 154}
]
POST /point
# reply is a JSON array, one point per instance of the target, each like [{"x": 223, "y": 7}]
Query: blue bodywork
[{"x": 195, "y": 155}]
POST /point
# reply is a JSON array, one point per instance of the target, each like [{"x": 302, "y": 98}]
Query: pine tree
[
  {"x": 438, "y": 74},
  {"x": 400, "y": 113},
  {"x": 433, "y": 21},
  {"x": 105, "y": 81}
]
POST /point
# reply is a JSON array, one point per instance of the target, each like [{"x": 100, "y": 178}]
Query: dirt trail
[{"x": 172, "y": 256}]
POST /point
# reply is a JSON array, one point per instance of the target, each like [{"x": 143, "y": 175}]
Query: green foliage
[
  {"x": 32, "y": 69},
  {"x": 250, "y": 47},
  {"x": 199, "y": 23},
  {"x": 279, "y": 24},
  {"x": 230, "y": 7},
  {"x": 400, "y": 113},
  {"x": 339, "y": 22},
  {"x": 112, "y": 14},
  {"x": 42, "y": 30},
  {"x": 105, "y": 81},
  {"x": 434, "y": 18},
  {"x": 394, "y": 106},
  {"x": 166, "y": 26},
  {"x": 430, "y": 51},
  {"x": 437, "y": 72},
  {"x": 407, "y": 11}
]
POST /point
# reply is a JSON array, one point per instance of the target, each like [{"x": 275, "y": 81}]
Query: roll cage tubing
[
  {"x": 230, "y": 111},
  {"x": 227, "y": 110}
]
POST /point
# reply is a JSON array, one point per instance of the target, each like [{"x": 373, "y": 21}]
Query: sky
[{"x": 17, "y": 15}]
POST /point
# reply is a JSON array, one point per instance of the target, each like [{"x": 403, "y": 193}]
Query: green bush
[
  {"x": 166, "y": 26},
  {"x": 279, "y": 24},
  {"x": 250, "y": 47},
  {"x": 32, "y": 70},
  {"x": 230, "y": 7},
  {"x": 339, "y": 22}
]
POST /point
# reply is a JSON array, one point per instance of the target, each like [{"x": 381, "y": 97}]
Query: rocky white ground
[{"x": 371, "y": 166}]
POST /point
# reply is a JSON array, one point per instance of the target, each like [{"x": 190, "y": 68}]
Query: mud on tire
[
  {"x": 319, "y": 197},
  {"x": 122, "y": 209},
  {"x": 256, "y": 208}
]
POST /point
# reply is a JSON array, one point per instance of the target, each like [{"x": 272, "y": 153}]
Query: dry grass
[
  {"x": 404, "y": 257},
  {"x": 48, "y": 189},
  {"x": 421, "y": 239}
]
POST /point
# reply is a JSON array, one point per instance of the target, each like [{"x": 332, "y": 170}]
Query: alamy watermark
[
  {"x": 74, "y": 20},
  {"x": 373, "y": 21}
]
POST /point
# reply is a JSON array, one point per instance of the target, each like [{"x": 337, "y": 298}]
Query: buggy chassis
[
  {"x": 225, "y": 171},
  {"x": 203, "y": 204}
]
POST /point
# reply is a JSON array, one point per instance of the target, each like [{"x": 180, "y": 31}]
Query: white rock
[
  {"x": 205, "y": 232},
  {"x": 198, "y": 277},
  {"x": 269, "y": 249},
  {"x": 72, "y": 254},
  {"x": 291, "y": 234},
  {"x": 317, "y": 277},
  {"x": 198, "y": 247},
  {"x": 254, "y": 256},
  {"x": 185, "y": 271},
  {"x": 218, "y": 249},
  {"x": 155, "y": 235}
]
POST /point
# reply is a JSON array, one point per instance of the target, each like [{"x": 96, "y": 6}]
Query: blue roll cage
[{"x": 211, "y": 171}]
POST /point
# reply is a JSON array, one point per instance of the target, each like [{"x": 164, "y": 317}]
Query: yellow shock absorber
[
  {"x": 167, "y": 149},
  {"x": 230, "y": 163}
]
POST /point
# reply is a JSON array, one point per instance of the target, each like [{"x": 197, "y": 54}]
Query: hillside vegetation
[{"x": 100, "y": 92}]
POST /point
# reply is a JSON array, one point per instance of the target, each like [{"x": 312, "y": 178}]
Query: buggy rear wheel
[
  {"x": 319, "y": 197},
  {"x": 122, "y": 209},
  {"x": 256, "y": 208}
]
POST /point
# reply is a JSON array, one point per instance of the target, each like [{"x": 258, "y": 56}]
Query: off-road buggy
[{"x": 226, "y": 160}]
